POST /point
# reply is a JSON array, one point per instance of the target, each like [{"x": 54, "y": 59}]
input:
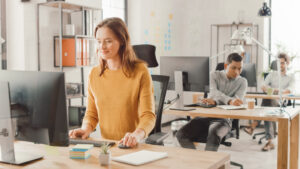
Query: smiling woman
[{"x": 120, "y": 92}]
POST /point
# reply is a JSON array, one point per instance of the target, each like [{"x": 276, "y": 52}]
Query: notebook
[
  {"x": 230, "y": 107},
  {"x": 82, "y": 147},
  {"x": 140, "y": 157}
]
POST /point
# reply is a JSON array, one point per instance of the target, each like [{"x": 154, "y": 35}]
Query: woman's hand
[
  {"x": 208, "y": 101},
  {"x": 132, "y": 139},
  {"x": 80, "y": 132}
]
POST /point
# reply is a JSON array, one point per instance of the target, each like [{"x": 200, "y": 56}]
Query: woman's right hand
[{"x": 79, "y": 133}]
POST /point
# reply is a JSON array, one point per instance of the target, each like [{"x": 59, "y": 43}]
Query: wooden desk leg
[
  {"x": 226, "y": 165},
  {"x": 282, "y": 151},
  {"x": 294, "y": 142}
]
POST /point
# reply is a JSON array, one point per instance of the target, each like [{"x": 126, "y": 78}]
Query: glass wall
[{"x": 285, "y": 34}]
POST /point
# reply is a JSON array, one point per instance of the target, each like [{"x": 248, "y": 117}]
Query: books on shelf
[{"x": 74, "y": 53}]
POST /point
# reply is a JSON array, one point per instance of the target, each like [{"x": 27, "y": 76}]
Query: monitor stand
[
  {"x": 179, "y": 90},
  {"x": 8, "y": 154}
]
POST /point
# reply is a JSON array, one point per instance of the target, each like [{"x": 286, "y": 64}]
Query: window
[
  {"x": 114, "y": 8},
  {"x": 285, "y": 31}
]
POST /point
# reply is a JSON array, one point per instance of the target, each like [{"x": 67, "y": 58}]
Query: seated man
[
  {"x": 271, "y": 84},
  {"x": 226, "y": 87}
]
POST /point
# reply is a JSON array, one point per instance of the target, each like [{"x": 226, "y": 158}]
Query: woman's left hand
[{"x": 132, "y": 139}]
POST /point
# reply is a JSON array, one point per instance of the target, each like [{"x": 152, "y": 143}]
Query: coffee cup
[
  {"x": 269, "y": 91},
  {"x": 251, "y": 103}
]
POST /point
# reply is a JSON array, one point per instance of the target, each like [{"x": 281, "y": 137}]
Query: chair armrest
[{"x": 157, "y": 138}]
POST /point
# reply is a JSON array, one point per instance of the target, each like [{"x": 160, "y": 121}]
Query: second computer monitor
[
  {"x": 195, "y": 71},
  {"x": 39, "y": 106}
]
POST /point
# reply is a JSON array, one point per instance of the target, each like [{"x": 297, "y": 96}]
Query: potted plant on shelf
[{"x": 104, "y": 156}]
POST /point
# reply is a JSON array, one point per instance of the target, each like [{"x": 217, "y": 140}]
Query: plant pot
[{"x": 104, "y": 159}]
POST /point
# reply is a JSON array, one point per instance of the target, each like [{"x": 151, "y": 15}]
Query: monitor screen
[
  {"x": 38, "y": 106},
  {"x": 195, "y": 71}
]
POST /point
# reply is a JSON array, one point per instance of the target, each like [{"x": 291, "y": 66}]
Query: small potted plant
[{"x": 104, "y": 156}]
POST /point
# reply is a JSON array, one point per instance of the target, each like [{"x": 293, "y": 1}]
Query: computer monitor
[
  {"x": 39, "y": 107},
  {"x": 195, "y": 71},
  {"x": 249, "y": 72}
]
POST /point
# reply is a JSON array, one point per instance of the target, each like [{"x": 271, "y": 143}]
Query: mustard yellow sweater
[{"x": 120, "y": 104}]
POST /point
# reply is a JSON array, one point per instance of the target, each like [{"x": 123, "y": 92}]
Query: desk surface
[
  {"x": 58, "y": 157},
  {"x": 288, "y": 128},
  {"x": 255, "y": 114},
  {"x": 198, "y": 95},
  {"x": 265, "y": 96}
]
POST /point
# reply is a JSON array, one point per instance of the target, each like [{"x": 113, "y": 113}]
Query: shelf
[
  {"x": 75, "y": 97},
  {"x": 230, "y": 25},
  {"x": 240, "y": 44},
  {"x": 68, "y": 6},
  {"x": 75, "y": 36},
  {"x": 77, "y": 51}
]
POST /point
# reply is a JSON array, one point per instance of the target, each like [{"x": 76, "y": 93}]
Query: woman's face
[{"x": 108, "y": 44}]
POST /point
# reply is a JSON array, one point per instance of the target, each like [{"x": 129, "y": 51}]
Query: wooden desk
[
  {"x": 288, "y": 131},
  {"x": 265, "y": 96},
  {"x": 58, "y": 157},
  {"x": 254, "y": 96}
]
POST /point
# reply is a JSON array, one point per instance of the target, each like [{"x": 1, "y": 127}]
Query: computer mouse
[{"x": 122, "y": 146}]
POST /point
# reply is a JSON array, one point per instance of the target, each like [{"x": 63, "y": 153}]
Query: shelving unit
[
  {"x": 216, "y": 28},
  {"x": 218, "y": 31},
  {"x": 69, "y": 6}
]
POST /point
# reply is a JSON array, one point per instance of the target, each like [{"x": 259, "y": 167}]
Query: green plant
[{"x": 105, "y": 149}]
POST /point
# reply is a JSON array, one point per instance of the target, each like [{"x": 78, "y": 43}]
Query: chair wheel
[{"x": 259, "y": 142}]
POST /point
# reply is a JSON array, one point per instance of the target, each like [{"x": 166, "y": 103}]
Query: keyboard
[
  {"x": 94, "y": 142},
  {"x": 203, "y": 105}
]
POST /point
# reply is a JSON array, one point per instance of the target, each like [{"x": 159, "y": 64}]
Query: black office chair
[
  {"x": 160, "y": 84},
  {"x": 146, "y": 53},
  {"x": 235, "y": 129},
  {"x": 266, "y": 102}
]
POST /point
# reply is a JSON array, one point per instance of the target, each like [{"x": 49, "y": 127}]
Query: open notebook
[
  {"x": 230, "y": 107},
  {"x": 140, "y": 157}
]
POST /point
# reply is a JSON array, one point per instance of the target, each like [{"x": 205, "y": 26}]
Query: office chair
[
  {"x": 146, "y": 53},
  {"x": 160, "y": 84},
  {"x": 235, "y": 129},
  {"x": 266, "y": 102}
]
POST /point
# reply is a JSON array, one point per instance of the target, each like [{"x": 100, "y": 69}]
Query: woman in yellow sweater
[{"x": 120, "y": 93}]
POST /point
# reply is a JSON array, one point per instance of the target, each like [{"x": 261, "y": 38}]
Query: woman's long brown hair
[{"x": 128, "y": 57}]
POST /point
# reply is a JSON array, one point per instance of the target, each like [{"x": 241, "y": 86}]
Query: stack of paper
[
  {"x": 81, "y": 151},
  {"x": 230, "y": 107}
]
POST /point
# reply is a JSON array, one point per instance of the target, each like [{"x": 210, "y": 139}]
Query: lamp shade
[
  {"x": 146, "y": 53},
  {"x": 265, "y": 10}
]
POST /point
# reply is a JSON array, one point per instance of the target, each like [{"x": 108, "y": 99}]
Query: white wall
[
  {"x": 15, "y": 35},
  {"x": 189, "y": 23},
  {"x": 182, "y": 28}
]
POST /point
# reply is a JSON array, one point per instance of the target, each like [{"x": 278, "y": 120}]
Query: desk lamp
[
  {"x": 1, "y": 40},
  {"x": 246, "y": 35},
  {"x": 265, "y": 11}
]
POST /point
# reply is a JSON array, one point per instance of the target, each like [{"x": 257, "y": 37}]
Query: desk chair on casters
[
  {"x": 160, "y": 84},
  {"x": 265, "y": 102},
  {"x": 234, "y": 133}
]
